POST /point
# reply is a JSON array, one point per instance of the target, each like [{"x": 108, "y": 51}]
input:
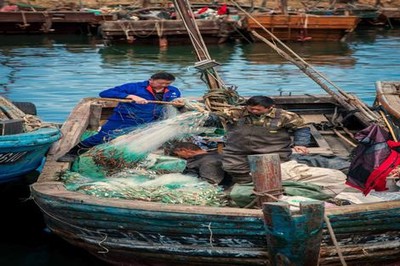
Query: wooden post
[
  {"x": 294, "y": 239},
  {"x": 266, "y": 173},
  {"x": 95, "y": 116}
]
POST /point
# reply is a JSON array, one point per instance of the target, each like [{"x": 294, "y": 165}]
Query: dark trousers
[{"x": 110, "y": 130}]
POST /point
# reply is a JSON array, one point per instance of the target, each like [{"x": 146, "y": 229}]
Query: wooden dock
[
  {"x": 50, "y": 21},
  {"x": 166, "y": 30}
]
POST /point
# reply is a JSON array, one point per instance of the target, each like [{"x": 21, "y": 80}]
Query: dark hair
[
  {"x": 260, "y": 100},
  {"x": 173, "y": 148},
  {"x": 163, "y": 75}
]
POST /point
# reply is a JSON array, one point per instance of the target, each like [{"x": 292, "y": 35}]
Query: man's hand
[
  {"x": 137, "y": 99},
  {"x": 301, "y": 149},
  {"x": 179, "y": 102}
]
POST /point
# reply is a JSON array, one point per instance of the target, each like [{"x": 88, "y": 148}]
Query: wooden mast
[{"x": 183, "y": 8}]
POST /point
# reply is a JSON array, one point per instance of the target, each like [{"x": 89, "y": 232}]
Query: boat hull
[
  {"x": 124, "y": 232},
  {"x": 23, "y": 153},
  {"x": 303, "y": 27}
]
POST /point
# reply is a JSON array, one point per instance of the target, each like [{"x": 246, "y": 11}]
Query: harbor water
[{"x": 55, "y": 72}]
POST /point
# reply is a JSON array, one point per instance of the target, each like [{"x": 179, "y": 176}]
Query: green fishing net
[
  {"x": 168, "y": 188},
  {"x": 127, "y": 167}
]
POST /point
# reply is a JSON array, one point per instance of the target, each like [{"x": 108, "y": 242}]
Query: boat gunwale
[
  {"x": 385, "y": 97},
  {"x": 56, "y": 189}
]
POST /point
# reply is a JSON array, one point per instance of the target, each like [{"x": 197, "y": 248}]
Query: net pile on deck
[{"x": 126, "y": 167}]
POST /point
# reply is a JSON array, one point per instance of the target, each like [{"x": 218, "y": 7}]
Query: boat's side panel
[
  {"x": 150, "y": 234},
  {"x": 139, "y": 237},
  {"x": 388, "y": 95},
  {"x": 301, "y": 28},
  {"x": 364, "y": 237},
  {"x": 23, "y": 153}
]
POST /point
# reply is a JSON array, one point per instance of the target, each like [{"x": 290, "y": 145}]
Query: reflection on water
[
  {"x": 315, "y": 53},
  {"x": 55, "y": 72}
]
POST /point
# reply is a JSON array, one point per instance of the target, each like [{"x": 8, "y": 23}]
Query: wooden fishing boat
[
  {"x": 50, "y": 21},
  {"x": 390, "y": 14},
  {"x": 388, "y": 96},
  {"x": 132, "y": 232},
  {"x": 21, "y": 151},
  {"x": 303, "y": 27},
  {"x": 173, "y": 31}
]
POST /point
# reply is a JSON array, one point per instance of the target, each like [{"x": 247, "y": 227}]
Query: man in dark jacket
[
  {"x": 127, "y": 116},
  {"x": 260, "y": 128},
  {"x": 206, "y": 165}
]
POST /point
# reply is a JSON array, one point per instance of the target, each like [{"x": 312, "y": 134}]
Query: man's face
[
  {"x": 184, "y": 153},
  {"x": 159, "y": 84},
  {"x": 258, "y": 109}
]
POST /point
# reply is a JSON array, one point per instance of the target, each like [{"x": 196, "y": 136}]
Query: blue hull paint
[{"x": 23, "y": 153}]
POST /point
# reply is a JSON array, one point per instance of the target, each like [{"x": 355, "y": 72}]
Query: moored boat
[
  {"x": 133, "y": 232},
  {"x": 21, "y": 150},
  {"x": 303, "y": 27}
]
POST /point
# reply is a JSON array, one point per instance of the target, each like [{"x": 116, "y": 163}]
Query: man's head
[
  {"x": 161, "y": 80},
  {"x": 259, "y": 105},
  {"x": 185, "y": 150}
]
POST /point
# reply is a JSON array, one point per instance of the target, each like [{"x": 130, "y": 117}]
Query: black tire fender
[{"x": 26, "y": 107}]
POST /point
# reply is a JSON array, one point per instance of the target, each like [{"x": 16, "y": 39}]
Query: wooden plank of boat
[
  {"x": 390, "y": 12},
  {"x": 55, "y": 16},
  {"x": 292, "y": 27},
  {"x": 160, "y": 28},
  {"x": 388, "y": 95}
]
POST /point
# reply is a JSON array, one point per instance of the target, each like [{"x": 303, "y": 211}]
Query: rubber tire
[{"x": 26, "y": 107}]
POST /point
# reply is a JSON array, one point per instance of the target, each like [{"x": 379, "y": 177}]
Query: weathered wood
[
  {"x": 95, "y": 116},
  {"x": 322, "y": 143},
  {"x": 294, "y": 239},
  {"x": 10, "y": 109},
  {"x": 266, "y": 174},
  {"x": 75, "y": 125},
  {"x": 388, "y": 95}
]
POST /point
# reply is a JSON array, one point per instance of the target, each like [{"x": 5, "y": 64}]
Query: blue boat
[
  {"x": 23, "y": 153},
  {"x": 22, "y": 148}
]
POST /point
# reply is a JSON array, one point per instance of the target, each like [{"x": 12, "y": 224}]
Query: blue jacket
[{"x": 137, "y": 114}]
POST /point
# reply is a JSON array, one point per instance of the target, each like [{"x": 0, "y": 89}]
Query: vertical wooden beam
[
  {"x": 294, "y": 239},
  {"x": 266, "y": 173},
  {"x": 95, "y": 116}
]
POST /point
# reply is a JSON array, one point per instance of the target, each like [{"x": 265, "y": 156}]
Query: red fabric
[
  {"x": 202, "y": 10},
  {"x": 10, "y": 8},
  {"x": 150, "y": 89},
  {"x": 377, "y": 179},
  {"x": 222, "y": 10}
]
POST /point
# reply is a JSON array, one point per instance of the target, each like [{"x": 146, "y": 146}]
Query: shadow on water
[{"x": 25, "y": 240}]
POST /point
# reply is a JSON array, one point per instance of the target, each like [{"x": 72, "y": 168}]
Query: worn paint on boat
[
  {"x": 132, "y": 232},
  {"x": 24, "y": 152},
  {"x": 302, "y": 27}
]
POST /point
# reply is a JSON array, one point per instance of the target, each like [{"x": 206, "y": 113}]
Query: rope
[
  {"x": 126, "y": 30},
  {"x": 160, "y": 28},
  {"x": 334, "y": 240},
  {"x": 24, "y": 21}
]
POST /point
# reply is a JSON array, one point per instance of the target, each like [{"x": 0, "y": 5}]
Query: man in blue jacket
[{"x": 128, "y": 115}]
